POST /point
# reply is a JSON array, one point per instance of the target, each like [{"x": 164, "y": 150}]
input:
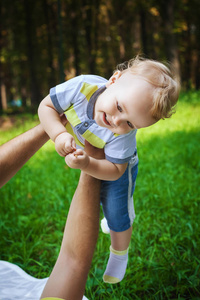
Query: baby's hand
[
  {"x": 65, "y": 144},
  {"x": 77, "y": 160}
]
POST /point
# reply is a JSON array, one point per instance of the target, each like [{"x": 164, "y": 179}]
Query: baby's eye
[
  {"x": 119, "y": 108},
  {"x": 130, "y": 125}
]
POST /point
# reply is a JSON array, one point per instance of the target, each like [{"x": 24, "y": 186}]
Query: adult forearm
[
  {"x": 15, "y": 153},
  {"x": 70, "y": 272}
]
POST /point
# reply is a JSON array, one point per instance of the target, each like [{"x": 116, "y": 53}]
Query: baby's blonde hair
[{"x": 167, "y": 88}]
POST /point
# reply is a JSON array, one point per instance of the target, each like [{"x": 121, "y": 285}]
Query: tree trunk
[
  {"x": 187, "y": 67},
  {"x": 75, "y": 17},
  {"x": 51, "y": 77},
  {"x": 30, "y": 37},
  {"x": 144, "y": 39},
  {"x": 3, "y": 97},
  {"x": 170, "y": 38},
  {"x": 91, "y": 31},
  {"x": 197, "y": 64},
  {"x": 60, "y": 44},
  {"x": 1, "y": 46},
  {"x": 197, "y": 73}
]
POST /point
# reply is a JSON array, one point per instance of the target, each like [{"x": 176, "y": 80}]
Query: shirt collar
[{"x": 92, "y": 101}]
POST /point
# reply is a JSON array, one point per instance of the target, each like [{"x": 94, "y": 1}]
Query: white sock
[
  {"x": 104, "y": 226},
  {"x": 116, "y": 266}
]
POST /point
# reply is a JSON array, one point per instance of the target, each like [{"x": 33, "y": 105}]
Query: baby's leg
[
  {"x": 120, "y": 240},
  {"x": 118, "y": 208},
  {"x": 118, "y": 259}
]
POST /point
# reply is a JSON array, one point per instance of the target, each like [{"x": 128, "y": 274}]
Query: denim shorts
[{"x": 117, "y": 198}]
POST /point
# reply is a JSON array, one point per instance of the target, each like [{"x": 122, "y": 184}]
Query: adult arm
[
  {"x": 70, "y": 272},
  {"x": 16, "y": 152}
]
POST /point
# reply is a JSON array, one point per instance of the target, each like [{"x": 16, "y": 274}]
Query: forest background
[{"x": 45, "y": 42}]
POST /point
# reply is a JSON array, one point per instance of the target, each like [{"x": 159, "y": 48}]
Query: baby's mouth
[{"x": 105, "y": 119}]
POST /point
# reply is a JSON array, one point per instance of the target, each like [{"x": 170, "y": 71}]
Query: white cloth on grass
[{"x": 15, "y": 284}]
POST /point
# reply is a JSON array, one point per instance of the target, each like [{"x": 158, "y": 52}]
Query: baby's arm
[
  {"x": 98, "y": 168},
  {"x": 51, "y": 122}
]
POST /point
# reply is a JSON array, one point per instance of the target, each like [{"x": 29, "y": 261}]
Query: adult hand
[{"x": 93, "y": 151}]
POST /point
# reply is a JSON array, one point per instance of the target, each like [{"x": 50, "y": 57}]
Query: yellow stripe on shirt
[
  {"x": 88, "y": 90},
  {"x": 70, "y": 130},
  {"x": 94, "y": 139},
  {"x": 72, "y": 116}
]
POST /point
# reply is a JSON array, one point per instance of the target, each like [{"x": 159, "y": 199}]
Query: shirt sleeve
[
  {"x": 121, "y": 148},
  {"x": 65, "y": 94}
]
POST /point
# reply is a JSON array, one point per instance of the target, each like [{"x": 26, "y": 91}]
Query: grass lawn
[{"x": 164, "y": 256}]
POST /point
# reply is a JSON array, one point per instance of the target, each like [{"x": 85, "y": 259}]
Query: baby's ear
[{"x": 113, "y": 78}]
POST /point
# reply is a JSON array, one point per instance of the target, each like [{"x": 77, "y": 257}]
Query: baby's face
[{"x": 125, "y": 104}]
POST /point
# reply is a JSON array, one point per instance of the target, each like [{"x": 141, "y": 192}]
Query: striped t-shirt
[{"x": 76, "y": 98}]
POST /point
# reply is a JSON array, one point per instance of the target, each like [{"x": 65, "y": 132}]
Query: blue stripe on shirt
[{"x": 54, "y": 100}]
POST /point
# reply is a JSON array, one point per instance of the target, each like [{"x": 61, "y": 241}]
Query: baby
[{"x": 107, "y": 114}]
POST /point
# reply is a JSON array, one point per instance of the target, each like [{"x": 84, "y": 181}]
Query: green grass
[{"x": 164, "y": 256}]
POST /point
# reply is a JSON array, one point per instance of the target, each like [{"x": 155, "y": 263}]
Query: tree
[{"x": 167, "y": 10}]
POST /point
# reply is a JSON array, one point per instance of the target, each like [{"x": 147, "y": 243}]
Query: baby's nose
[{"x": 116, "y": 121}]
